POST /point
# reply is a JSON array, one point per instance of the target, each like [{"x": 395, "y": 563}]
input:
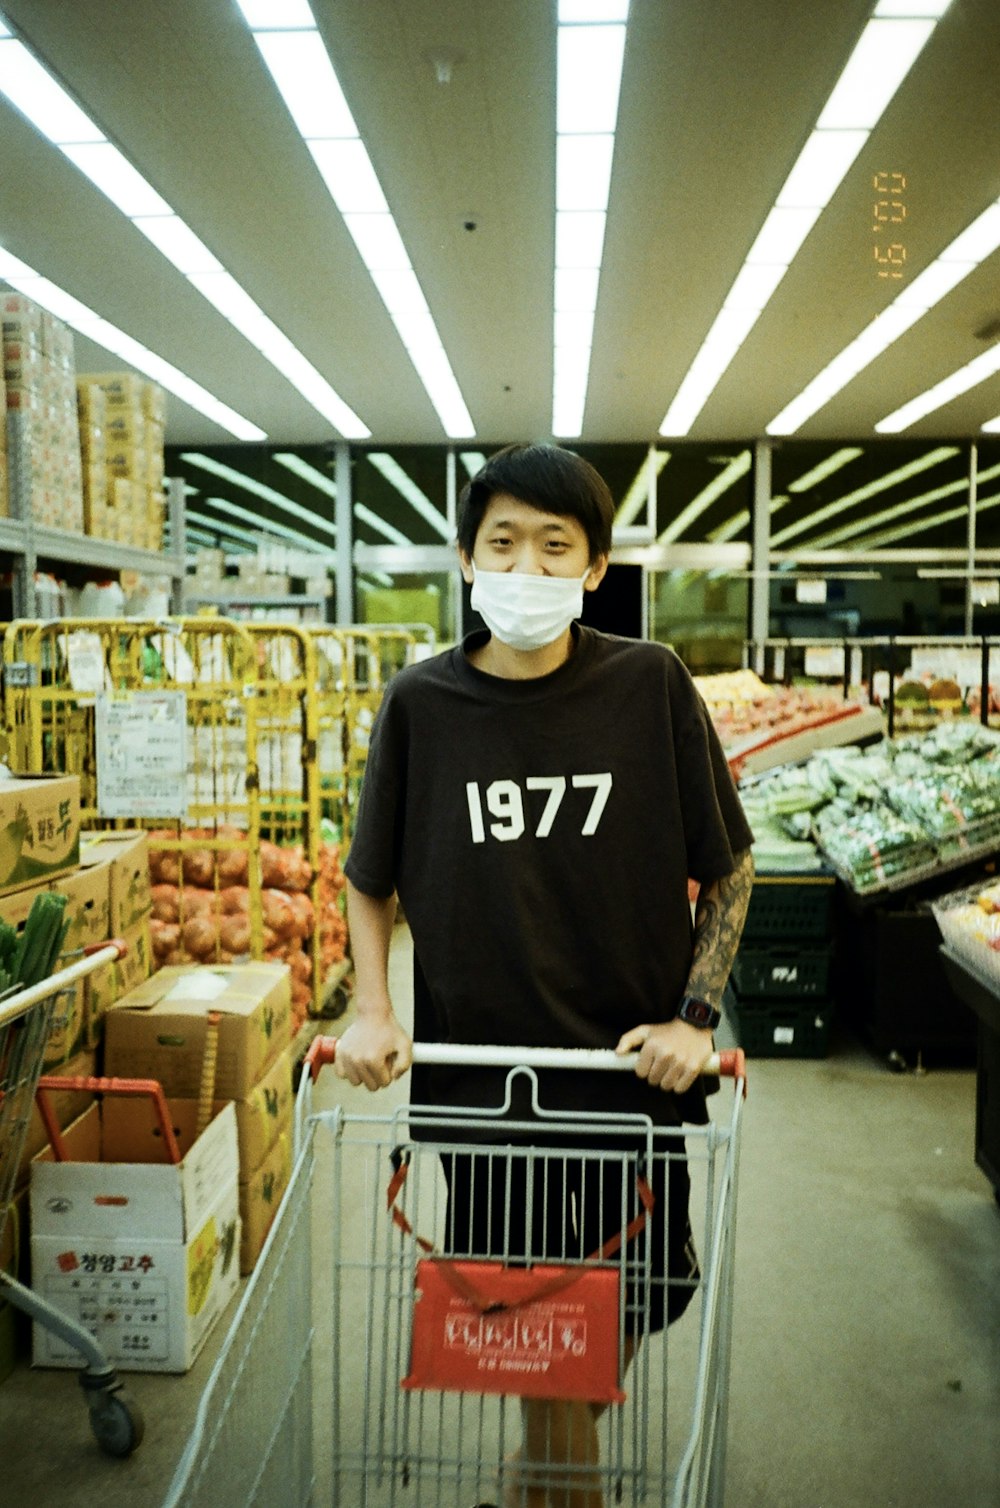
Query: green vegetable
[{"x": 40, "y": 944}]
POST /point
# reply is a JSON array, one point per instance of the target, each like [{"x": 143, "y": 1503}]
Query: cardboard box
[
  {"x": 39, "y": 828},
  {"x": 265, "y": 1112},
  {"x": 15, "y": 1327},
  {"x": 159, "y": 1031},
  {"x": 127, "y": 854},
  {"x": 106, "y": 986},
  {"x": 144, "y": 1254},
  {"x": 260, "y": 1195},
  {"x": 67, "y": 1106}
]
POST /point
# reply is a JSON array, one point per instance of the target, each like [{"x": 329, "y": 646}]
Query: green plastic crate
[
  {"x": 787, "y": 907},
  {"x": 782, "y": 971},
  {"x": 768, "y": 1030}
]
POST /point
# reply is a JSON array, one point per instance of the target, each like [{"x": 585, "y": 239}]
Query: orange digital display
[{"x": 888, "y": 211}]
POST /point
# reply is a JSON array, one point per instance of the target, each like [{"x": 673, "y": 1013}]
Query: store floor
[{"x": 866, "y": 1347}]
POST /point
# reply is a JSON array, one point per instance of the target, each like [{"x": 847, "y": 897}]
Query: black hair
[{"x": 546, "y": 477}]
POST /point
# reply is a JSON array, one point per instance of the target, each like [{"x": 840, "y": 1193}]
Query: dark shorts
[{"x": 517, "y": 1203}]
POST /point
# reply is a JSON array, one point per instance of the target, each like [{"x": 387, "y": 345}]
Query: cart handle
[
  {"x": 94, "y": 955},
  {"x": 152, "y": 1088},
  {"x": 729, "y": 1064}
]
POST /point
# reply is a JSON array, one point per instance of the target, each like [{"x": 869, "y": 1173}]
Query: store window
[{"x": 863, "y": 538}]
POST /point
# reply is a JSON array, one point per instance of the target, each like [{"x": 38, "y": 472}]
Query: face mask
[{"x": 527, "y": 611}]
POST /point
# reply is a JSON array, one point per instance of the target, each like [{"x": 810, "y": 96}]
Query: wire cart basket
[
  {"x": 26, "y": 1018},
  {"x": 329, "y": 1388}
]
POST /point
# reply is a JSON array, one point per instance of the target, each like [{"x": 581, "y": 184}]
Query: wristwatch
[{"x": 698, "y": 1013}]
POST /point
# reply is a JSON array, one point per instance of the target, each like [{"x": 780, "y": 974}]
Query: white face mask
[{"x": 524, "y": 610}]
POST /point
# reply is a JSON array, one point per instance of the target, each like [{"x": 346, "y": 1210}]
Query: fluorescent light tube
[
  {"x": 347, "y": 172},
  {"x": 583, "y": 171},
  {"x": 820, "y": 472},
  {"x": 404, "y": 484},
  {"x": 277, "y": 15},
  {"x": 378, "y": 241},
  {"x": 258, "y": 489},
  {"x": 300, "y": 67},
  {"x": 782, "y": 234},
  {"x": 400, "y": 291},
  {"x": 472, "y": 460},
  {"x": 388, "y": 531},
  {"x": 899, "y": 510},
  {"x": 753, "y": 286},
  {"x": 268, "y": 526},
  {"x": 300, "y": 468},
  {"x": 942, "y": 392},
  {"x": 885, "y": 53},
  {"x": 31, "y": 89},
  {"x": 820, "y": 169},
  {"x": 637, "y": 495},
  {"x": 737, "y": 467},
  {"x": 579, "y": 238},
  {"x": 29, "y": 86},
  {"x": 22, "y": 277},
  {"x": 220, "y": 527},
  {"x": 115, "y": 176},
  {"x": 908, "y": 8},
  {"x": 178, "y": 243},
  {"x": 592, "y": 11},
  {"x": 871, "y": 489},
  {"x": 589, "y": 78},
  {"x": 978, "y": 241},
  {"x": 576, "y": 288}
]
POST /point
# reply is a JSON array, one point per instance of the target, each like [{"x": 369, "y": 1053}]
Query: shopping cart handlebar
[{"x": 728, "y": 1064}]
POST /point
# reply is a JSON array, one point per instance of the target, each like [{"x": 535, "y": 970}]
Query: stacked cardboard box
[
  {"x": 140, "y": 1250},
  {"x": 122, "y": 420},
  {"x": 161, "y": 1031},
  {"x": 38, "y": 371}
]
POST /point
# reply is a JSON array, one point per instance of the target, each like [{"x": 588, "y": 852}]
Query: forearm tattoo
[{"x": 720, "y": 912}]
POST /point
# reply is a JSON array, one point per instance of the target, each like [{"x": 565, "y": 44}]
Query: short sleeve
[
  {"x": 715, "y": 827},
  {"x": 372, "y": 862}
]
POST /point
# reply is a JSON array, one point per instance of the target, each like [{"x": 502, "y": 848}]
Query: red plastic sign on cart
[{"x": 538, "y": 1332}]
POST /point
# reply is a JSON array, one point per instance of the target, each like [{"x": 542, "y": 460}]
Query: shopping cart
[
  {"x": 26, "y": 1018},
  {"x": 327, "y": 1388}
]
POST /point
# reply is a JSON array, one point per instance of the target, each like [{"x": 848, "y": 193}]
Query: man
[{"x": 538, "y": 798}]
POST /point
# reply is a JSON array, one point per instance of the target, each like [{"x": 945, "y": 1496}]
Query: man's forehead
[{"x": 514, "y": 513}]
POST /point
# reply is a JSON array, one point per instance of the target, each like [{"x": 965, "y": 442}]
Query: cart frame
[{"x": 272, "y": 1425}]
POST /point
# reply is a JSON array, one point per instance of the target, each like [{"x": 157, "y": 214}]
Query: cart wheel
[{"x": 117, "y": 1422}]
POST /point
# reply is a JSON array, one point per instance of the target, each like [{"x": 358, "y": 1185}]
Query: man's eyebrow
[{"x": 550, "y": 525}]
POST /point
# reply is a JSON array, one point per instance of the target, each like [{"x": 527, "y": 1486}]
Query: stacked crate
[
  {"x": 780, "y": 982},
  {"x": 121, "y": 428},
  {"x": 38, "y": 372}
]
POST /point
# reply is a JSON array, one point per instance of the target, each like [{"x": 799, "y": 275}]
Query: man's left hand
[{"x": 671, "y": 1055}]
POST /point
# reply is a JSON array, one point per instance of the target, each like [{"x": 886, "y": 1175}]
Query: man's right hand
[{"x": 373, "y": 1051}]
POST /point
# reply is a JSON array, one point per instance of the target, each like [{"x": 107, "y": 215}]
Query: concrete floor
[{"x": 866, "y": 1347}]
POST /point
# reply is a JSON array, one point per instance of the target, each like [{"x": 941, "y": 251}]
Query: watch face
[{"x": 698, "y": 1012}]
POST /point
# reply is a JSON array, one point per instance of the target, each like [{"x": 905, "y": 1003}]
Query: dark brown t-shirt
[{"x": 540, "y": 835}]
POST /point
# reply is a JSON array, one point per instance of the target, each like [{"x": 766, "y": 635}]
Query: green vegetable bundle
[{"x": 30, "y": 958}]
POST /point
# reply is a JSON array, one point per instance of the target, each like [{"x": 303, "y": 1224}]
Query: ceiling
[{"x": 717, "y": 100}]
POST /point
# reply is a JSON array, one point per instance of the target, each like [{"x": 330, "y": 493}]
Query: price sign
[{"x": 142, "y": 754}]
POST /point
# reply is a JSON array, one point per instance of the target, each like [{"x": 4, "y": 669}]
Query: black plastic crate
[
  {"x": 786, "y": 906},
  {"x": 782, "y": 971},
  {"x": 767, "y": 1030}
]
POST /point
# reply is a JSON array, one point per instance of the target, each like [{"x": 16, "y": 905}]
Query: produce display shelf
[
  {"x": 908, "y": 878},
  {"x": 767, "y": 749}
]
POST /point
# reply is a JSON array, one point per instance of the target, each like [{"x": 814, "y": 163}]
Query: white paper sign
[
  {"x": 821, "y": 661},
  {"x": 142, "y": 756}
]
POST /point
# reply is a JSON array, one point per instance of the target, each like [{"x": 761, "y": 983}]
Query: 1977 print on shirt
[{"x": 505, "y": 802}]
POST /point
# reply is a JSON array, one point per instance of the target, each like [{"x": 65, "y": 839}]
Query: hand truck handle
[
  {"x": 151, "y": 1088},
  {"x": 729, "y": 1064}
]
